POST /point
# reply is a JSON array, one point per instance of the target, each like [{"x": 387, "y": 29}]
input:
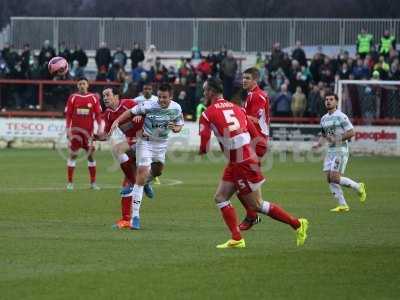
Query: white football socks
[
  {"x": 265, "y": 207},
  {"x": 137, "y": 200},
  {"x": 337, "y": 193},
  {"x": 349, "y": 183}
]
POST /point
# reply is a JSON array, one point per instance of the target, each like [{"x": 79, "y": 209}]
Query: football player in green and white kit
[
  {"x": 337, "y": 130},
  {"x": 160, "y": 118}
]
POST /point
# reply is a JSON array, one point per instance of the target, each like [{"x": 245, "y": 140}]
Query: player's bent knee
[
  {"x": 156, "y": 169},
  {"x": 334, "y": 177},
  {"x": 220, "y": 196}
]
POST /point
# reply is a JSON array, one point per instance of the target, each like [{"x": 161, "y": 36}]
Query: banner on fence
[{"x": 284, "y": 137}]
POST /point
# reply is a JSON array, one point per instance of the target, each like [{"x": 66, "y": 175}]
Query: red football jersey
[
  {"x": 81, "y": 111},
  {"x": 257, "y": 108},
  {"x": 110, "y": 115},
  {"x": 231, "y": 127}
]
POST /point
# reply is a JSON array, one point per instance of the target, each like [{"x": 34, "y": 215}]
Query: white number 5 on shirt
[{"x": 231, "y": 119}]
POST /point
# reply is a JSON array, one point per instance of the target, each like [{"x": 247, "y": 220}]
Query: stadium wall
[{"x": 50, "y": 133}]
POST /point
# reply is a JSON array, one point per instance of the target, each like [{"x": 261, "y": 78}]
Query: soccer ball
[{"x": 58, "y": 66}]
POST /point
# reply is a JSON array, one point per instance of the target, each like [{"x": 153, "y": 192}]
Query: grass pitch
[{"x": 59, "y": 245}]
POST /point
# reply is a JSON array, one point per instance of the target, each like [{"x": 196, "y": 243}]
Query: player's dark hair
[
  {"x": 255, "y": 74},
  {"x": 332, "y": 94},
  {"x": 115, "y": 90},
  {"x": 83, "y": 78},
  {"x": 215, "y": 85},
  {"x": 165, "y": 87}
]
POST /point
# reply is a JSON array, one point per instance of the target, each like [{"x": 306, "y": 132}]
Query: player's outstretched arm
[{"x": 123, "y": 117}]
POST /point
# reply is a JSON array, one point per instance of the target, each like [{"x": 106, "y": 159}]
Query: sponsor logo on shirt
[{"x": 82, "y": 111}]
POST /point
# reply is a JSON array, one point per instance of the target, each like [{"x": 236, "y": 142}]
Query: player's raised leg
[
  {"x": 357, "y": 186},
  {"x": 274, "y": 211}
]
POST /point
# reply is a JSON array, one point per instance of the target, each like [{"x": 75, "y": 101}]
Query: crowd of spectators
[{"x": 296, "y": 85}]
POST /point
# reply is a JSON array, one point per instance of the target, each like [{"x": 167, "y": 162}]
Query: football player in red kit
[
  {"x": 82, "y": 111},
  {"x": 242, "y": 174},
  {"x": 257, "y": 110}
]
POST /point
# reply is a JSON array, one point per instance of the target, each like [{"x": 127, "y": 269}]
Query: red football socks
[
  {"x": 229, "y": 215},
  {"x": 126, "y": 167},
  {"x": 92, "y": 172},
  {"x": 251, "y": 214},
  {"x": 126, "y": 205},
  {"x": 70, "y": 173},
  {"x": 279, "y": 214}
]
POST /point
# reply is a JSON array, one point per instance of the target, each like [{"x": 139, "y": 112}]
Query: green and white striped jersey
[
  {"x": 156, "y": 119},
  {"x": 336, "y": 124}
]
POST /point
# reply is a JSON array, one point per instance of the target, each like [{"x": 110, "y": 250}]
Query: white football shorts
[
  {"x": 148, "y": 151},
  {"x": 336, "y": 162}
]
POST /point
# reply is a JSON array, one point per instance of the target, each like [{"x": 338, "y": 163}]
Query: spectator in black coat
[
  {"x": 12, "y": 57},
  {"x": 46, "y": 53},
  {"x": 5, "y": 51},
  {"x": 26, "y": 59},
  {"x": 299, "y": 54},
  {"x": 80, "y": 55},
  {"x": 63, "y": 51},
  {"x": 277, "y": 57},
  {"x": 103, "y": 58},
  {"x": 137, "y": 55}
]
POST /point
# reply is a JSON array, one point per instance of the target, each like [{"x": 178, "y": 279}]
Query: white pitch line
[{"x": 80, "y": 187}]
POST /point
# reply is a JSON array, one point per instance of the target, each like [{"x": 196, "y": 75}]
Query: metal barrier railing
[
  {"x": 42, "y": 94},
  {"x": 245, "y": 35}
]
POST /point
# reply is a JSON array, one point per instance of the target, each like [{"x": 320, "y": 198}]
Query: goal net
[{"x": 370, "y": 102}]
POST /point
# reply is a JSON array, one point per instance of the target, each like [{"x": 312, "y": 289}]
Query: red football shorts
[
  {"x": 246, "y": 176},
  {"x": 79, "y": 141}
]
